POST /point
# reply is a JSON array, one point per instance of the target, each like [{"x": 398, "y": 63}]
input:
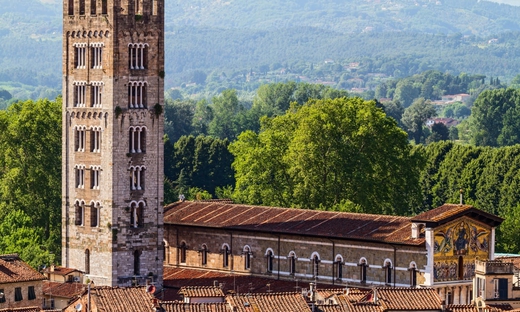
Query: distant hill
[{"x": 220, "y": 35}]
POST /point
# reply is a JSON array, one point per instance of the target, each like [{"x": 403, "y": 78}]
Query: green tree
[
  {"x": 495, "y": 118},
  {"x": 439, "y": 133},
  {"x": 30, "y": 162},
  {"x": 227, "y": 113},
  {"x": 325, "y": 153},
  {"x": 415, "y": 116},
  {"x": 178, "y": 115}
]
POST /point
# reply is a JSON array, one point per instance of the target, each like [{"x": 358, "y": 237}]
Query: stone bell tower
[{"x": 112, "y": 154}]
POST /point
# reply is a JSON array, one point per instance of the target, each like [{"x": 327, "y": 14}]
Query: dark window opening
[
  {"x": 18, "y": 294},
  {"x": 87, "y": 261},
  {"x": 81, "y": 7},
  {"x": 182, "y": 250},
  {"x": 104, "y": 7},
  {"x": 270, "y": 257},
  {"x": 388, "y": 274},
  {"x": 2, "y": 298},
  {"x": 413, "y": 277},
  {"x": 225, "y": 257},
  {"x": 137, "y": 262},
  {"x": 204, "y": 255},
  {"x": 292, "y": 264},
  {"x": 31, "y": 294},
  {"x": 315, "y": 266},
  {"x": 247, "y": 260},
  {"x": 71, "y": 7},
  {"x": 363, "y": 272},
  {"x": 339, "y": 268},
  {"x": 93, "y": 7}
]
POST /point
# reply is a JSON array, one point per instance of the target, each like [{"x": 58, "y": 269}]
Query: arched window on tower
[
  {"x": 104, "y": 7},
  {"x": 93, "y": 7},
  {"x": 137, "y": 139},
  {"x": 94, "y": 214},
  {"x": 81, "y": 7},
  {"x": 136, "y": 214},
  {"x": 137, "y": 94},
  {"x": 87, "y": 261},
  {"x": 137, "y": 262},
  {"x": 71, "y": 7},
  {"x": 138, "y": 56},
  {"x": 137, "y": 178},
  {"x": 79, "y": 207}
]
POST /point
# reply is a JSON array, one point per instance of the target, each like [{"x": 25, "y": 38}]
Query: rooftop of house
[
  {"x": 178, "y": 306},
  {"x": 60, "y": 270},
  {"x": 201, "y": 291},
  {"x": 64, "y": 290},
  {"x": 15, "y": 270},
  {"x": 119, "y": 299},
  {"x": 287, "y": 302},
  {"x": 24, "y": 309},
  {"x": 175, "y": 278}
]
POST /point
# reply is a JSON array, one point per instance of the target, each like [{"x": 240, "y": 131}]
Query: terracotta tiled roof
[
  {"x": 201, "y": 291},
  {"x": 14, "y": 270},
  {"x": 366, "y": 227},
  {"x": 64, "y": 290},
  {"x": 408, "y": 299},
  {"x": 461, "y": 308},
  {"x": 448, "y": 212},
  {"x": 175, "y": 278},
  {"x": 273, "y": 302},
  {"x": 118, "y": 299},
  {"x": 177, "y": 306},
  {"x": 25, "y": 309},
  {"x": 60, "y": 271}
]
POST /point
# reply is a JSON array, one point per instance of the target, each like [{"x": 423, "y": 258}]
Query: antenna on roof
[{"x": 461, "y": 192}]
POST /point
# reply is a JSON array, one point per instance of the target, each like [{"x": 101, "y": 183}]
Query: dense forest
[{"x": 353, "y": 44}]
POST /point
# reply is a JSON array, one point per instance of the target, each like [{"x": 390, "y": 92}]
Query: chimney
[
  {"x": 312, "y": 290},
  {"x": 461, "y": 192},
  {"x": 52, "y": 268},
  {"x": 375, "y": 299}
]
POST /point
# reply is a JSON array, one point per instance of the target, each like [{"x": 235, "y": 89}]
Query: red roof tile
[
  {"x": 121, "y": 299},
  {"x": 273, "y": 302},
  {"x": 380, "y": 228},
  {"x": 176, "y": 306},
  {"x": 60, "y": 270},
  {"x": 65, "y": 290},
  {"x": 408, "y": 299},
  {"x": 201, "y": 291},
  {"x": 175, "y": 278},
  {"x": 447, "y": 212},
  {"x": 14, "y": 270},
  {"x": 25, "y": 309}
]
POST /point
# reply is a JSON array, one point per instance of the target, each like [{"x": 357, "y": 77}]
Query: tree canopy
[{"x": 342, "y": 153}]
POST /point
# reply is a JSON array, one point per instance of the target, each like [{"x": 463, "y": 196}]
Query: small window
[
  {"x": 137, "y": 262},
  {"x": 137, "y": 56},
  {"x": 2, "y": 298},
  {"x": 94, "y": 215},
  {"x": 30, "y": 293},
  {"x": 225, "y": 256},
  {"x": 87, "y": 261},
  {"x": 182, "y": 251},
  {"x": 81, "y": 7},
  {"x": 292, "y": 264},
  {"x": 204, "y": 255},
  {"x": 104, "y": 7},
  {"x": 269, "y": 259},
  {"x": 137, "y": 140},
  {"x": 388, "y": 273},
  {"x": 71, "y": 7},
  {"x": 18, "y": 294},
  {"x": 93, "y": 7},
  {"x": 137, "y": 95},
  {"x": 79, "y": 212},
  {"x": 315, "y": 265},
  {"x": 339, "y": 268},
  {"x": 247, "y": 258},
  {"x": 136, "y": 216},
  {"x": 363, "y": 271},
  {"x": 413, "y": 276}
]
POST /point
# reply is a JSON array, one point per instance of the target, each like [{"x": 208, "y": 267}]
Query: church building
[
  {"x": 112, "y": 155},
  {"x": 436, "y": 249}
]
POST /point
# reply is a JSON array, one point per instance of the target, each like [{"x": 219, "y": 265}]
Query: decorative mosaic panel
[{"x": 457, "y": 245}]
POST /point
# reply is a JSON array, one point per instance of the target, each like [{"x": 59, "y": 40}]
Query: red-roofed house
[
  {"x": 436, "y": 249},
  {"x": 20, "y": 284}
]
